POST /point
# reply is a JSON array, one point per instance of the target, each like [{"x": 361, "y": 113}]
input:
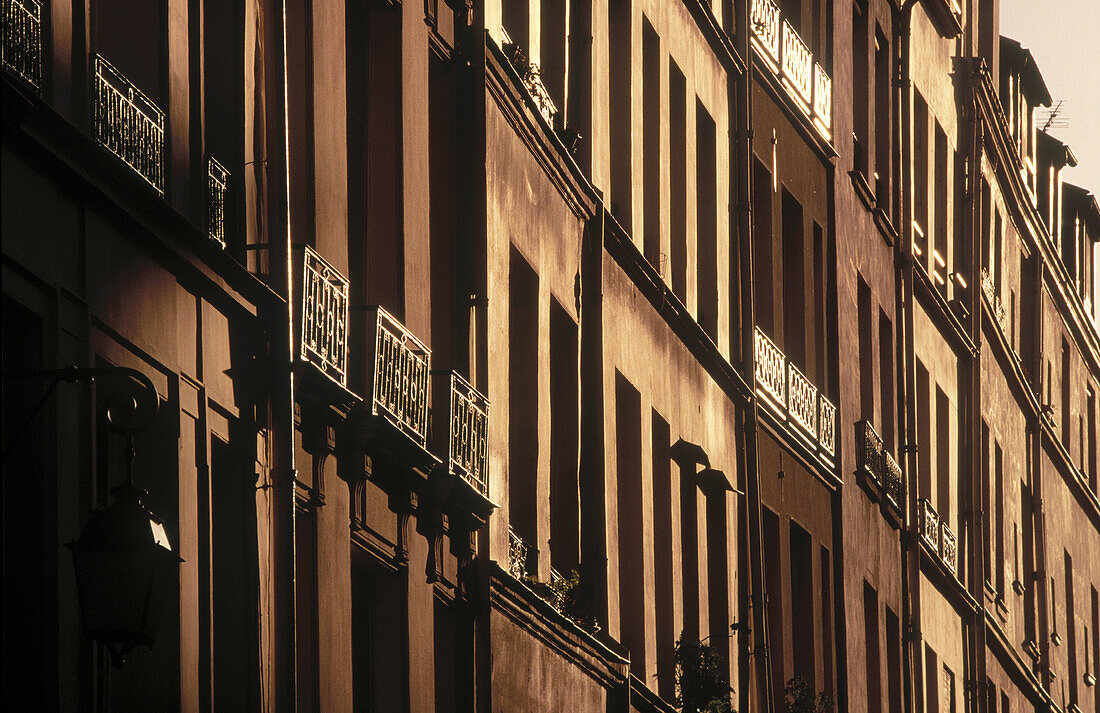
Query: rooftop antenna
[{"x": 1054, "y": 119}]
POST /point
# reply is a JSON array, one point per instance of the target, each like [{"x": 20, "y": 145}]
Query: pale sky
[{"x": 1063, "y": 37}]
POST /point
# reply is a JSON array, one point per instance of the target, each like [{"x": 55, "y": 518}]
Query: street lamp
[{"x": 123, "y": 560}]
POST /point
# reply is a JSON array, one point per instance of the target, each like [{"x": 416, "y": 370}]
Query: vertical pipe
[{"x": 761, "y": 670}]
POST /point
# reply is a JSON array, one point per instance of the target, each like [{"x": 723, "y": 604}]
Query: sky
[{"x": 1062, "y": 36}]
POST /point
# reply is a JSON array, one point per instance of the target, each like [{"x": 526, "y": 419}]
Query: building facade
[{"x": 508, "y": 351}]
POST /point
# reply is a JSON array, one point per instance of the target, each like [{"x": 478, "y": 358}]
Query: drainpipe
[
  {"x": 906, "y": 357},
  {"x": 283, "y": 475},
  {"x": 762, "y": 669}
]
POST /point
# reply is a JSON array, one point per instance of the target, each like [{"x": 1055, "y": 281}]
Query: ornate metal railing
[
  {"x": 324, "y": 338},
  {"x": 929, "y": 525},
  {"x": 517, "y": 555},
  {"x": 770, "y": 367},
  {"x": 802, "y": 404},
  {"x": 399, "y": 380},
  {"x": 894, "y": 480},
  {"x": 949, "y": 547},
  {"x": 784, "y": 51},
  {"x": 128, "y": 123},
  {"x": 823, "y": 102},
  {"x": 792, "y": 397},
  {"x": 765, "y": 28},
  {"x": 557, "y": 584},
  {"x": 991, "y": 296},
  {"x": 217, "y": 183},
  {"x": 469, "y": 434},
  {"x": 22, "y": 44},
  {"x": 798, "y": 66},
  {"x": 827, "y": 435},
  {"x": 869, "y": 452}
]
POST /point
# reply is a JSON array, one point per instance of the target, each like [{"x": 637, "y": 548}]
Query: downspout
[
  {"x": 972, "y": 206},
  {"x": 283, "y": 473},
  {"x": 761, "y": 673},
  {"x": 906, "y": 357}
]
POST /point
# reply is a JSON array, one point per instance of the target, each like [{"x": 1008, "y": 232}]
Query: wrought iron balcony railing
[
  {"x": 217, "y": 183},
  {"x": 469, "y": 434},
  {"x": 770, "y": 369},
  {"x": 869, "y": 452},
  {"x": 823, "y": 102},
  {"x": 786, "y": 54},
  {"x": 557, "y": 584},
  {"x": 128, "y": 123},
  {"x": 765, "y": 29},
  {"x": 991, "y": 296},
  {"x": 793, "y": 398},
  {"x": 802, "y": 401},
  {"x": 22, "y": 44},
  {"x": 398, "y": 381},
  {"x": 324, "y": 337},
  {"x": 517, "y": 555},
  {"x": 798, "y": 66},
  {"x": 894, "y": 481},
  {"x": 949, "y": 547},
  {"x": 929, "y": 525}
]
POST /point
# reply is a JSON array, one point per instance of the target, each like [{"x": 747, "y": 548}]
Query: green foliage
[
  {"x": 702, "y": 685},
  {"x": 564, "y": 593},
  {"x": 799, "y": 698}
]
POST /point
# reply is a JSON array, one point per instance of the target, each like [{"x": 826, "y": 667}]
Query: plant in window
[
  {"x": 799, "y": 698},
  {"x": 702, "y": 685}
]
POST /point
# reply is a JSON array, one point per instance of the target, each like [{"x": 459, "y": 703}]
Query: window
[
  {"x": 677, "y": 139},
  {"x": 620, "y": 112},
  {"x": 706, "y": 224},
  {"x": 999, "y": 517},
  {"x": 1066, "y": 374},
  {"x": 940, "y": 235},
  {"x": 866, "y": 351},
  {"x": 651, "y": 146},
  {"x": 773, "y": 583},
  {"x": 943, "y": 456},
  {"x": 664, "y": 598},
  {"x": 564, "y": 443},
  {"x": 827, "y": 618},
  {"x": 886, "y": 378},
  {"x": 860, "y": 88},
  {"x": 804, "y": 635},
  {"x": 924, "y": 431},
  {"x": 893, "y": 663},
  {"x": 1091, "y": 465},
  {"x": 523, "y": 404},
  {"x": 794, "y": 280},
  {"x": 882, "y": 122},
  {"x": 871, "y": 646},
  {"x": 628, "y": 462},
  {"x": 1071, "y": 630},
  {"x": 762, "y": 247},
  {"x": 920, "y": 179},
  {"x": 948, "y": 690}
]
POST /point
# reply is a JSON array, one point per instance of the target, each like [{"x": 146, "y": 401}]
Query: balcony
[
  {"x": 468, "y": 435},
  {"x": 217, "y": 183},
  {"x": 786, "y": 54},
  {"x": 793, "y": 399},
  {"x": 22, "y": 44},
  {"x": 869, "y": 461},
  {"x": 128, "y": 124},
  {"x": 324, "y": 335},
  {"x": 991, "y": 296},
  {"x": 894, "y": 481},
  {"x": 517, "y": 555},
  {"x": 531, "y": 77},
  {"x": 929, "y": 525},
  {"x": 398, "y": 379},
  {"x": 949, "y": 547}
]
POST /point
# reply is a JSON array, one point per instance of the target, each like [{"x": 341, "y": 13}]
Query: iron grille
[
  {"x": 399, "y": 383},
  {"x": 324, "y": 339},
  {"x": 128, "y": 123},
  {"x": 22, "y": 45},
  {"x": 217, "y": 183},
  {"x": 469, "y": 434}
]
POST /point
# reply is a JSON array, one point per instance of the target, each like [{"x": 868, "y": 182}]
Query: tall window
[
  {"x": 943, "y": 456},
  {"x": 794, "y": 280},
  {"x": 706, "y": 224},
  {"x": 677, "y": 139},
  {"x": 564, "y": 440},
  {"x": 1066, "y": 380},
  {"x": 651, "y": 146},
  {"x": 763, "y": 259},
  {"x": 886, "y": 378},
  {"x": 866, "y": 351},
  {"x": 882, "y": 122},
  {"x": 1071, "y": 630},
  {"x": 920, "y": 176},
  {"x": 621, "y": 112},
  {"x": 802, "y": 603},
  {"x": 523, "y": 404},
  {"x": 664, "y": 598},
  {"x": 871, "y": 646},
  {"x": 924, "y": 431},
  {"x": 860, "y": 88},
  {"x": 628, "y": 461}
]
